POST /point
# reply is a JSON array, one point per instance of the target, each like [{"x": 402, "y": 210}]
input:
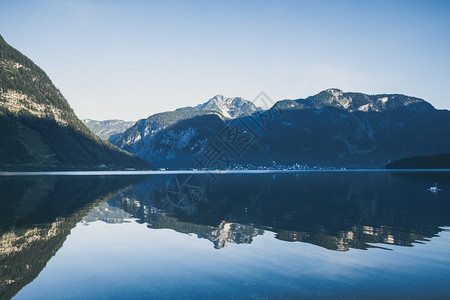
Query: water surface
[{"x": 272, "y": 235}]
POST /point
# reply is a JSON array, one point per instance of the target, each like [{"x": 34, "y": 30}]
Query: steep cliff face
[{"x": 38, "y": 128}]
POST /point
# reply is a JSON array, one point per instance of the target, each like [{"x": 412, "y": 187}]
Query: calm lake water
[{"x": 177, "y": 236}]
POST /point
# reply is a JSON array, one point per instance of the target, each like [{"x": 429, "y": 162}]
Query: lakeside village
[
  {"x": 235, "y": 167},
  {"x": 274, "y": 166}
]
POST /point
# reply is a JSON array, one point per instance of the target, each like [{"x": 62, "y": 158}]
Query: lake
[{"x": 266, "y": 235}]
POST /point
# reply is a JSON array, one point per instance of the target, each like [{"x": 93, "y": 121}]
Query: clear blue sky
[{"x": 130, "y": 59}]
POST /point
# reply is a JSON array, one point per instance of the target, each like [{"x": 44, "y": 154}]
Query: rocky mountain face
[
  {"x": 108, "y": 129},
  {"x": 354, "y": 102},
  {"x": 330, "y": 129},
  {"x": 139, "y": 138},
  {"x": 38, "y": 128},
  {"x": 142, "y": 136},
  {"x": 354, "y": 130}
]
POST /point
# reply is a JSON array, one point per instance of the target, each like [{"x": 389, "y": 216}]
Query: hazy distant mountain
[
  {"x": 108, "y": 129},
  {"x": 37, "y": 126},
  {"x": 331, "y": 128}
]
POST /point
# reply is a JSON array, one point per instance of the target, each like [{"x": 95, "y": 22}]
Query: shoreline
[{"x": 206, "y": 172}]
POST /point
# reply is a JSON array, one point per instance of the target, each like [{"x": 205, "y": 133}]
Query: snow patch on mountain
[
  {"x": 383, "y": 100},
  {"x": 229, "y": 107}
]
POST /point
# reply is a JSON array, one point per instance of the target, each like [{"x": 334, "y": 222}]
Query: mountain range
[
  {"x": 330, "y": 129},
  {"x": 140, "y": 138},
  {"x": 38, "y": 128}
]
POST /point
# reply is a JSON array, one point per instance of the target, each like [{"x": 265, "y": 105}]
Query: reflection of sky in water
[{"x": 129, "y": 260}]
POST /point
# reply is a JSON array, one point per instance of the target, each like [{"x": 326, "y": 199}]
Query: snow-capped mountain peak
[{"x": 229, "y": 107}]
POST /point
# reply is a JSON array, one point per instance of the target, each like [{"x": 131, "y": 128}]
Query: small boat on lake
[{"x": 434, "y": 189}]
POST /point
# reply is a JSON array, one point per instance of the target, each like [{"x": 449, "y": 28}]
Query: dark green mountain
[
  {"x": 353, "y": 130},
  {"x": 330, "y": 129},
  {"x": 439, "y": 161},
  {"x": 38, "y": 129}
]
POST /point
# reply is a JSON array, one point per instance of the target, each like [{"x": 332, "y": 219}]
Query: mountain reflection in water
[
  {"x": 36, "y": 216},
  {"x": 337, "y": 211},
  {"x": 334, "y": 211}
]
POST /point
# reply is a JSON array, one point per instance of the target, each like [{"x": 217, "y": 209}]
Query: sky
[{"x": 130, "y": 59}]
